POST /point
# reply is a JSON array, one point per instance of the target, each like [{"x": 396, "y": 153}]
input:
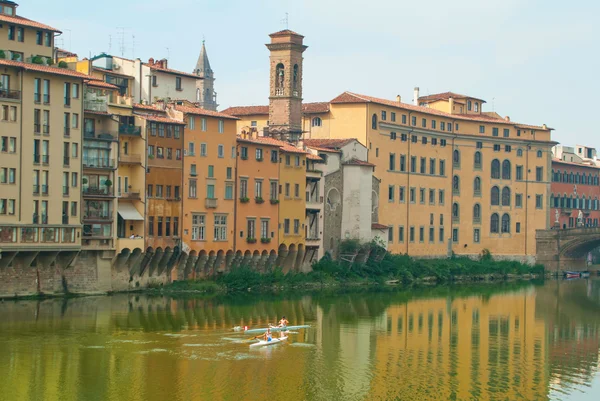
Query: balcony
[
  {"x": 130, "y": 159},
  {"x": 36, "y": 189},
  {"x": 312, "y": 239},
  {"x": 130, "y": 195},
  {"x": 210, "y": 203},
  {"x": 96, "y": 104},
  {"x": 88, "y": 243},
  {"x": 99, "y": 163},
  {"x": 314, "y": 202},
  {"x": 44, "y": 189},
  {"x": 98, "y": 215},
  {"x": 121, "y": 101},
  {"x": 314, "y": 174},
  {"x": 129, "y": 243},
  {"x": 97, "y": 191},
  {"x": 96, "y": 135},
  {"x": 8, "y": 234},
  {"x": 6, "y": 94},
  {"x": 130, "y": 130}
]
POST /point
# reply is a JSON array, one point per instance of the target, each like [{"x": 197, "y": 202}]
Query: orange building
[
  {"x": 257, "y": 210},
  {"x": 209, "y": 182}
]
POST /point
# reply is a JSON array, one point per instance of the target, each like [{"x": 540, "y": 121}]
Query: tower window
[
  {"x": 279, "y": 78},
  {"x": 295, "y": 81}
]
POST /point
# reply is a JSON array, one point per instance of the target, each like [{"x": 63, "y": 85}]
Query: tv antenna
[
  {"x": 286, "y": 21},
  {"x": 168, "y": 53}
]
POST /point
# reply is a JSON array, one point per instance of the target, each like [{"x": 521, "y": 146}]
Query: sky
[{"x": 536, "y": 61}]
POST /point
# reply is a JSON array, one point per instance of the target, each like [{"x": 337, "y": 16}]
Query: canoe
[
  {"x": 277, "y": 329},
  {"x": 572, "y": 274},
  {"x": 263, "y": 343}
]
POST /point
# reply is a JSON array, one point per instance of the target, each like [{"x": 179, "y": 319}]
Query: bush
[
  {"x": 63, "y": 64},
  {"x": 37, "y": 60},
  {"x": 2, "y": 54}
]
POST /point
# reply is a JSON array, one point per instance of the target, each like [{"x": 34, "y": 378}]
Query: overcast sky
[{"x": 536, "y": 61}]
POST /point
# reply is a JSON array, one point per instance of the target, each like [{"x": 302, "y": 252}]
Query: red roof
[
  {"x": 202, "y": 112},
  {"x": 349, "y": 97},
  {"x": 308, "y": 108},
  {"x": 285, "y": 32},
  {"x": 172, "y": 71},
  {"x": 43, "y": 68},
  {"x": 446, "y": 96},
  {"x": 356, "y": 162},
  {"x": 158, "y": 119},
  {"x": 258, "y": 141},
  {"x": 377, "y": 226},
  {"x": 100, "y": 84},
  {"x": 328, "y": 143},
  {"x": 145, "y": 107},
  {"x": 15, "y": 19},
  {"x": 283, "y": 146},
  {"x": 314, "y": 157},
  {"x": 559, "y": 161}
]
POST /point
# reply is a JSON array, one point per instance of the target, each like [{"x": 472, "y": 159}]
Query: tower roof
[{"x": 203, "y": 65}]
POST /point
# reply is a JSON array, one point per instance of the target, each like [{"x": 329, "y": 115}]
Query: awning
[{"x": 129, "y": 212}]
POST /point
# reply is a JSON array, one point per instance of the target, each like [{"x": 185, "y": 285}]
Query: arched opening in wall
[
  {"x": 456, "y": 158},
  {"x": 317, "y": 122},
  {"x": 477, "y": 160},
  {"x": 496, "y": 169},
  {"x": 333, "y": 199},
  {"x": 374, "y": 204},
  {"x": 495, "y": 195},
  {"x": 299, "y": 257},
  {"x": 506, "y": 196},
  {"x": 279, "y": 76},
  {"x": 295, "y": 78},
  {"x": 506, "y": 170},
  {"x": 220, "y": 262}
]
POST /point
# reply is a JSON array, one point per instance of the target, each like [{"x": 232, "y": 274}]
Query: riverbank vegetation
[{"x": 375, "y": 267}]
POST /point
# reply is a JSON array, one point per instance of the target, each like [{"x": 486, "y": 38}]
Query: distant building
[{"x": 206, "y": 97}]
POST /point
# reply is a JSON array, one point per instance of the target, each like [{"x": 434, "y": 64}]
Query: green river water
[{"x": 506, "y": 342}]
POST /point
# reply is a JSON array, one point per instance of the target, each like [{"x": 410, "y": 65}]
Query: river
[{"x": 516, "y": 341}]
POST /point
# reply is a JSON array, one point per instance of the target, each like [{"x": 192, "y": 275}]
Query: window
[
  {"x": 151, "y": 225},
  {"x": 496, "y": 168},
  {"x": 455, "y": 213},
  {"x": 506, "y": 132},
  {"x": 539, "y": 154},
  {"x": 402, "y": 163},
  {"x": 403, "y": 118},
  {"x": 228, "y": 190},
  {"x": 401, "y": 234},
  {"x": 401, "y": 196},
  {"x": 413, "y": 139},
  {"x": 159, "y": 191},
  {"x": 221, "y": 151},
  {"x": 476, "y": 235},
  {"x": 442, "y": 167},
  {"x": 424, "y": 140},
  {"x": 422, "y": 196},
  {"x": 392, "y": 161},
  {"x": 286, "y": 226},
  {"x": 412, "y": 234},
  {"x": 432, "y": 166},
  {"x": 506, "y": 196},
  {"x": 192, "y": 189},
  {"x": 251, "y": 228},
  {"x": 432, "y": 196},
  {"x": 221, "y": 126},
  {"x": 203, "y": 125},
  {"x": 220, "y": 231},
  {"x": 287, "y": 190},
  {"x": 273, "y": 190},
  {"x": 455, "y": 235},
  {"x": 469, "y": 105},
  {"x": 47, "y": 39},
  {"x": 477, "y": 160},
  {"x": 169, "y": 153},
  {"x": 258, "y": 188},
  {"x": 67, "y": 93},
  {"x": 442, "y": 126},
  {"x": 374, "y": 121},
  {"x": 477, "y": 186},
  {"x": 518, "y": 228},
  {"x": 391, "y": 234},
  {"x": 519, "y": 173},
  {"x": 495, "y": 223},
  {"x": 539, "y": 202},
  {"x": 441, "y": 234},
  {"x": 413, "y": 121},
  {"x": 441, "y": 197},
  {"x": 243, "y": 188},
  {"x": 456, "y": 158},
  {"x": 506, "y": 170},
  {"x": 477, "y": 213},
  {"x": 160, "y": 152},
  {"x": 494, "y": 131},
  {"x": 191, "y": 148},
  {"x": 495, "y": 195},
  {"x": 178, "y": 83},
  {"x": 442, "y": 142},
  {"x": 391, "y": 192},
  {"x": 274, "y": 157},
  {"x": 507, "y": 148},
  {"x": 198, "y": 227},
  {"x": 423, "y": 165},
  {"x": 264, "y": 228},
  {"x": 392, "y": 135},
  {"x": 11, "y": 32},
  {"x": 434, "y": 141},
  {"x": 412, "y": 195},
  {"x": 421, "y": 234},
  {"x": 496, "y": 147},
  {"x": 539, "y": 174},
  {"x": 38, "y": 38},
  {"x": 383, "y": 115},
  {"x": 393, "y": 116},
  {"x": 456, "y": 185},
  {"x": 505, "y": 223},
  {"x": 297, "y": 190},
  {"x": 433, "y": 124},
  {"x": 424, "y": 123},
  {"x": 297, "y": 161},
  {"x": 482, "y": 129}
]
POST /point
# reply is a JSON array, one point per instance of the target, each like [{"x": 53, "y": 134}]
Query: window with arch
[
  {"x": 577, "y": 178},
  {"x": 333, "y": 199},
  {"x": 495, "y": 223},
  {"x": 553, "y": 201},
  {"x": 571, "y": 178},
  {"x": 505, "y": 223},
  {"x": 456, "y": 184},
  {"x": 519, "y": 152},
  {"x": 455, "y": 212},
  {"x": 539, "y": 154},
  {"x": 495, "y": 168},
  {"x": 576, "y": 202},
  {"x": 469, "y": 105},
  {"x": 477, "y": 213},
  {"x": 476, "y": 107},
  {"x": 279, "y": 75},
  {"x": 317, "y": 122},
  {"x": 570, "y": 201},
  {"x": 506, "y": 170},
  {"x": 565, "y": 177},
  {"x": 477, "y": 186},
  {"x": 295, "y": 80},
  {"x": 374, "y": 121},
  {"x": 495, "y": 194},
  {"x": 477, "y": 160},
  {"x": 506, "y": 196},
  {"x": 456, "y": 158}
]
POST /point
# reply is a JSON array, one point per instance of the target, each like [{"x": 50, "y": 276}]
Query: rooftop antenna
[
  {"x": 121, "y": 34},
  {"x": 286, "y": 21},
  {"x": 168, "y": 53},
  {"x": 133, "y": 46},
  {"x": 493, "y": 104},
  {"x": 109, "y": 44}
]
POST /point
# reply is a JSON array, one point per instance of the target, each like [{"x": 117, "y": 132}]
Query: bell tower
[{"x": 285, "y": 96}]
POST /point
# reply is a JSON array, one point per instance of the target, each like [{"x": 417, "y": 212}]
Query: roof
[
  {"x": 258, "y": 141},
  {"x": 203, "y": 65},
  {"x": 172, "y": 71},
  {"x": 104, "y": 70},
  {"x": 349, "y": 97},
  {"x": 319, "y": 149},
  {"x": 308, "y": 108},
  {"x": 446, "y": 96},
  {"x": 43, "y": 68},
  {"x": 158, "y": 119},
  {"x": 100, "y": 84},
  {"x": 129, "y": 212},
  {"x": 285, "y": 32},
  {"x": 328, "y": 143},
  {"x": 15, "y": 19},
  {"x": 283, "y": 146},
  {"x": 356, "y": 162},
  {"x": 559, "y": 161},
  {"x": 377, "y": 226},
  {"x": 66, "y": 53},
  {"x": 145, "y": 107},
  {"x": 314, "y": 157},
  {"x": 203, "y": 112}
]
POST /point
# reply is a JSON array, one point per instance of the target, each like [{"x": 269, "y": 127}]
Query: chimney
[
  {"x": 544, "y": 126},
  {"x": 507, "y": 118},
  {"x": 151, "y": 61},
  {"x": 398, "y": 99},
  {"x": 416, "y": 96},
  {"x": 451, "y": 101}
]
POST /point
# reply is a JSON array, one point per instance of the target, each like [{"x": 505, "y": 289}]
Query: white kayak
[{"x": 263, "y": 343}]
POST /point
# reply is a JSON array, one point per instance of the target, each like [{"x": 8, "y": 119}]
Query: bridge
[{"x": 566, "y": 249}]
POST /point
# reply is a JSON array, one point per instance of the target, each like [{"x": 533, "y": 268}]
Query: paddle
[{"x": 260, "y": 335}]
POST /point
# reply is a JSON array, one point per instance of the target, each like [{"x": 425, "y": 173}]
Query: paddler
[
  {"x": 283, "y": 322},
  {"x": 267, "y": 335}
]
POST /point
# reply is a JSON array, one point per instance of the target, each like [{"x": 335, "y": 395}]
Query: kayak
[
  {"x": 263, "y": 343},
  {"x": 278, "y": 328}
]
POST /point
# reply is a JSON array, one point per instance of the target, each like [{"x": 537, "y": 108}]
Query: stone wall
[{"x": 332, "y": 217}]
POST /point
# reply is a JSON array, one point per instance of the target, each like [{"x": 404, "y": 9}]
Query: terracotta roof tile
[
  {"x": 285, "y": 32},
  {"x": 559, "y": 161},
  {"x": 158, "y": 119},
  {"x": 308, "y": 108},
  {"x": 446, "y": 96},
  {"x": 283, "y": 146},
  {"x": 172, "y": 71},
  {"x": 377, "y": 226},
  {"x": 349, "y": 97},
  {"x": 320, "y": 149},
  {"x": 43, "y": 68},
  {"x": 258, "y": 141},
  {"x": 356, "y": 162},
  {"x": 15, "y": 19},
  {"x": 100, "y": 84},
  {"x": 202, "y": 112},
  {"x": 314, "y": 157},
  {"x": 328, "y": 143},
  {"x": 145, "y": 107}
]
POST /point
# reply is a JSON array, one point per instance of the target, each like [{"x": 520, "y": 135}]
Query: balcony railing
[
  {"x": 36, "y": 128},
  {"x": 130, "y": 130},
  {"x": 210, "y": 203},
  {"x": 45, "y": 159},
  {"x": 121, "y": 100},
  {"x": 130, "y": 195},
  {"x": 8, "y": 234},
  {"x": 44, "y": 189},
  {"x": 98, "y": 135},
  {"x": 98, "y": 162},
  {"x": 98, "y": 191},
  {"x": 97, "y": 215},
  {"x": 46, "y": 129},
  {"x": 67, "y": 132},
  {"x": 66, "y": 161},
  {"x": 65, "y": 190},
  {"x": 10, "y": 94},
  {"x": 67, "y": 101},
  {"x": 132, "y": 159},
  {"x": 37, "y": 97},
  {"x": 97, "y": 105},
  {"x": 46, "y": 99},
  {"x": 36, "y": 189}
]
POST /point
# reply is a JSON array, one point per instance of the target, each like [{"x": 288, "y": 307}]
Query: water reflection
[{"x": 523, "y": 343}]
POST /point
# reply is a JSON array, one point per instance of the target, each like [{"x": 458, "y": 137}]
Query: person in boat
[
  {"x": 268, "y": 336},
  {"x": 283, "y": 322}
]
